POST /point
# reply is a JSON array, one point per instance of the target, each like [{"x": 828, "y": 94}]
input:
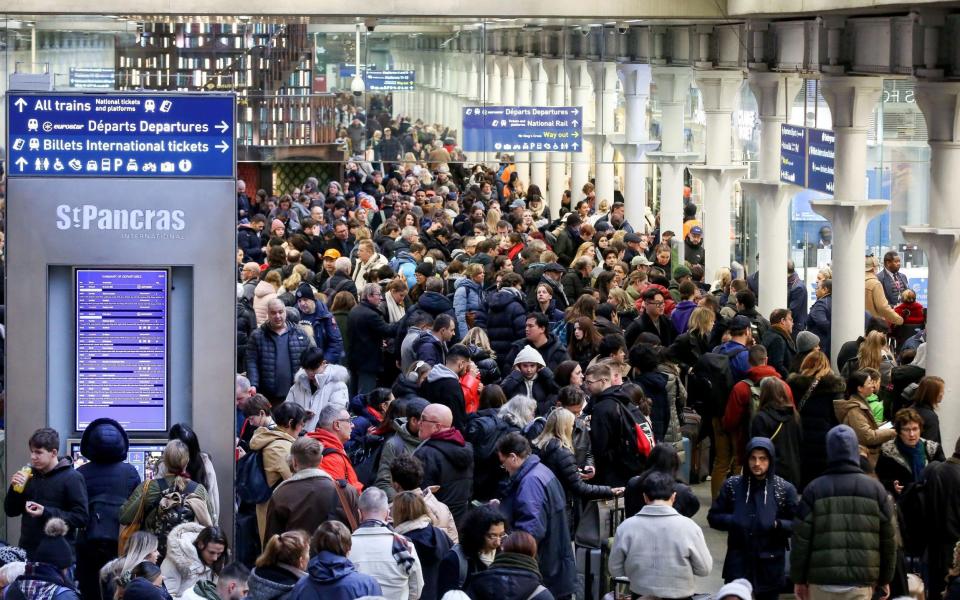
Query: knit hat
[
  {"x": 276, "y": 223},
  {"x": 425, "y": 269},
  {"x": 682, "y": 271},
  {"x": 529, "y": 354},
  {"x": 807, "y": 341},
  {"x": 53, "y": 549},
  {"x": 738, "y": 588},
  {"x": 9, "y": 554},
  {"x": 305, "y": 291}
]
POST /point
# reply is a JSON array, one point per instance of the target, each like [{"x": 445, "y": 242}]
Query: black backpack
[
  {"x": 710, "y": 382},
  {"x": 365, "y": 458},
  {"x": 251, "y": 485},
  {"x": 104, "y": 521}
]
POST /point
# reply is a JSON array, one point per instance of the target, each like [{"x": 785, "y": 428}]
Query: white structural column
[
  {"x": 580, "y": 95},
  {"x": 634, "y": 144},
  {"x": 851, "y": 101},
  {"x": 523, "y": 91},
  {"x": 774, "y": 92},
  {"x": 605, "y": 95},
  {"x": 940, "y": 239},
  {"x": 720, "y": 91},
  {"x": 673, "y": 89},
  {"x": 435, "y": 83},
  {"x": 508, "y": 81},
  {"x": 557, "y": 175},
  {"x": 538, "y": 97},
  {"x": 491, "y": 92}
]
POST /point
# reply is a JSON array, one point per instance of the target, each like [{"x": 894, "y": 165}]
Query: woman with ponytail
[{"x": 282, "y": 564}]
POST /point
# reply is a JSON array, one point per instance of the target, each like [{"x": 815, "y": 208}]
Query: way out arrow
[
  {"x": 222, "y": 146},
  {"x": 575, "y": 145},
  {"x": 20, "y": 103},
  {"x": 21, "y": 162},
  {"x": 223, "y": 127}
]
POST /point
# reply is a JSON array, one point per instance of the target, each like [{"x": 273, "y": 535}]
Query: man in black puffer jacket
[
  {"x": 447, "y": 459},
  {"x": 273, "y": 353},
  {"x": 432, "y": 302},
  {"x": 110, "y": 481},
  {"x": 537, "y": 336},
  {"x": 506, "y": 318}
]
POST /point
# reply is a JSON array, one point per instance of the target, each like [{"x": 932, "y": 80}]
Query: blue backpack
[{"x": 251, "y": 485}]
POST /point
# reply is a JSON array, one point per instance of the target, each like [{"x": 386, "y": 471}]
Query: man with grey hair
[
  {"x": 388, "y": 557},
  {"x": 340, "y": 281},
  {"x": 368, "y": 331},
  {"x": 333, "y": 430},
  {"x": 273, "y": 353},
  {"x": 243, "y": 391}
]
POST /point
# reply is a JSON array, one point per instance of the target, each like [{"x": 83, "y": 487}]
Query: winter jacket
[
  {"x": 578, "y": 492},
  {"x": 931, "y": 422},
  {"x": 262, "y": 295},
  {"x": 606, "y": 436},
  {"x": 845, "y": 530},
  {"x": 442, "y": 386},
  {"x": 360, "y": 269},
  {"x": 643, "y": 324},
  {"x": 876, "y": 301},
  {"x": 333, "y": 577},
  {"x": 367, "y": 329},
  {"x": 819, "y": 319},
  {"x": 510, "y": 577},
  {"x": 658, "y": 387},
  {"x": 182, "y": 567},
  {"x": 797, "y": 303},
  {"x": 681, "y": 315},
  {"x": 893, "y": 465},
  {"x": 817, "y": 417},
  {"x": 399, "y": 444},
  {"x": 40, "y": 581},
  {"x": 687, "y": 349},
  {"x": 659, "y": 535},
  {"x": 272, "y": 583},
  {"x": 331, "y": 389},
  {"x": 339, "y": 282},
  {"x": 63, "y": 494},
  {"x": 406, "y": 266},
  {"x": 305, "y": 500},
  {"x": 109, "y": 479},
  {"x": 431, "y": 303},
  {"x": 686, "y": 503},
  {"x": 780, "y": 350},
  {"x": 429, "y": 348},
  {"x": 448, "y": 462},
  {"x": 262, "y": 357},
  {"x": 782, "y": 426},
  {"x": 739, "y": 409},
  {"x": 693, "y": 253},
  {"x": 275, "y": 446},
  {"x": 372, "y": 553},
  {"x": 566, "y": 245},
  {"x": 335, "y": 461},
  {"x": 438, "y": 512},
  {"x": 856, "y": 413},
  {"x": 544, "y": 389},
  {"x": 506, "y": 323},
  {"x": 432, "y": 545},
  {"x": 552, "y": 351},
  {"x": 940, "y": 527},
  {"x": 574, "y": 285},
  {"x": 248, "y": 240},
  {"x": 758, "y": 518},
  {"x": 326, "y": 334},
  {"x": 533, "y": 501},
  {"x": 469, "y": 297}
]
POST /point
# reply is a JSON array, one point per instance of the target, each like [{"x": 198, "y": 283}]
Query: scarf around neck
[
  {"x": 513, "y": 560},
  {"x": 395, "y": 311},
  {"x": 916, "y": 457},
  {"x": 400, "y": 548}
]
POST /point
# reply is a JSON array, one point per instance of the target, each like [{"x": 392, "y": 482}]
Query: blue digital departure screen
[
  {"x": 145, "y": 457},
  {"x": 122, "y": 347}
]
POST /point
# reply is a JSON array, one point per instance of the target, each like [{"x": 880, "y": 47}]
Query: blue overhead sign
[
  {"x": 793, "y": 148},
  {"x": 390, "y": 81},
  {"x": 821, "y": 146},
  {"x": 348, "y": 70},
  {"x": 523, "y": 129},
  {"x": 120, "y": 135}
]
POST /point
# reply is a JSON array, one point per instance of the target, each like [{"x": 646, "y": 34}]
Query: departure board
[{"x": 121, "y": 325}]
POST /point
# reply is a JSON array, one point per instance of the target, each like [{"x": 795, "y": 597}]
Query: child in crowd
[{"x": 911, "y": 310}]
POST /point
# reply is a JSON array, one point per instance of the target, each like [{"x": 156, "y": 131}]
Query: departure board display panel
[{"x": 121, "y": 325}]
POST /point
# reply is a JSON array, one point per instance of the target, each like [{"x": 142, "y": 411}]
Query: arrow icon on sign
[
  {"x": 576, "y": 111},
  {"x": 222, "y": 146},
  {"x": 20, "y": 103},
  {"x": 575, "y": 145},
  {"x": 21, "y": 162},
  {"x": 223, "y": 127},
  {"x": 575, "y": 122}
]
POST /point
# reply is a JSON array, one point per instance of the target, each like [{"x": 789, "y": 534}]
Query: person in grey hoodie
[
  {"x": 420, "y": 322},
  {"x": 443, "y": 384}
]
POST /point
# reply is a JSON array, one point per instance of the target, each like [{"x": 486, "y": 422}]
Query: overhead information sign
[
  {"x": 390, "y": 81},
  {"x": 122, "y": 347},
  {"x": 120, "y": 135},
  {"x": 821, "y": 146},
  {"x": 522, "y": 129},
  {"x": 91, "y": 78},
  {"x": 348, "y": 70},
  {"x": 793, "y": 148}
]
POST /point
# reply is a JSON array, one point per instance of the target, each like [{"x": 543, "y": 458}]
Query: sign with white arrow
[
  {"x": 121, "y": 135},
  {"x": 522, "y": 129}
]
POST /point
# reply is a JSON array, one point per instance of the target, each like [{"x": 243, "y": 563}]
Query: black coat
[
  {"x": 941, "y": 519},
  {"x": 339, "y": 283},
  {"x": 931, "y": 423},
  {"x": 503, "y": 583},
  {"x": 606, "y": 437},
  {"x": 686, "y": 503},
  {"x": 443, "y": 387},
  {"x": 642, "y": 324},
  {"x": 262, "y": 357},
  {"x": 432, "y": 546},
  {"x": 367, "y": 330},
  {"x": 249, "y": 241},
  {"x": 506, "y": 323},
  {"x": 431, "y": 303},
  {"x": 574, "y": 285},
  {"x": 63, "y": 494},
  {"x": 780, "y": 350},
  {"x": 687, "y": 349},
  {"x": 817, "y": 417},
  {"x": 783, "y": 428},
  {"x": 545, "y": 388},
  {"x": 448, "y": 463},
  {"x": 893, "y": 466},
  {"x": 105, "y": 444},
  {"x": 560, "y": 460}
]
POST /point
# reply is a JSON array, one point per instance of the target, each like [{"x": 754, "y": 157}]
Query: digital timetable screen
[{"x": 121, "y": 325}]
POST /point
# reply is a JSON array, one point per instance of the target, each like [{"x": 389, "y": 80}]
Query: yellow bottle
[{"x": 28, "y": 473}]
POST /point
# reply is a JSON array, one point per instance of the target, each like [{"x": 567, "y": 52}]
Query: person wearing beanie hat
[
  {"x": 807, "y": 342},
  {"x": 531, "y": 377},
  {"x": 277, "y": 228},
  {"x": 569, "y": 240},
  {"x": 45, "y": 577},
  {"x": 326, "y": 334},
  {"x": 738, "y": 589}
]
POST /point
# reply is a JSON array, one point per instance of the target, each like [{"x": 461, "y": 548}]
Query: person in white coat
[
  {"x": 194, "y": 553},
  {"x": 368, "y": 261},
  {"x": 318, "y": 384},
  {"x": 388, "y": 557}
]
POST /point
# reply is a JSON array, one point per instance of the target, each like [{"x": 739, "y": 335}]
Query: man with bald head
[
  {"x": 273, "y": 353},
  {"x": 447, "y": 459}
]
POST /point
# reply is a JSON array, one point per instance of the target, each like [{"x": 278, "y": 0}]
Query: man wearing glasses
[
  {"x": 616, "y": 456},
  {"x": 447, "y": 459},
  {"x": 333, "y": 430},
  {"x": 652, "y": 320}
]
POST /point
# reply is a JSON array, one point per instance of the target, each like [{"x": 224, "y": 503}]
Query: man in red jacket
[
  {"x": 744, "y": 398},
  {"x": 333, "y": 429}
]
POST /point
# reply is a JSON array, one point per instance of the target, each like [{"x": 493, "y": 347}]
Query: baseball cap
[
  {"x": 305, "y": 291},
  {"x": 332, "y": 254},
  {"x": 696, "y": 230},
  {"x": 555, "y": 267},
  {"x": 640, "y": 261},
  {"x": 632, "y": 238},
  {"x": 739, "y": 323}
]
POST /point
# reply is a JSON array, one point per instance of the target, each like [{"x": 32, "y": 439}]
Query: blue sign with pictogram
[
  {"x": 523, "y": 129},
  {"x": 120, "y": 135},
  {"x": 821, "y": 146},
  {"x": 793, "y": 150}
]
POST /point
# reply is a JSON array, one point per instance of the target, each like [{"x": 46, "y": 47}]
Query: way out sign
[{"x": 523, "y": 129}]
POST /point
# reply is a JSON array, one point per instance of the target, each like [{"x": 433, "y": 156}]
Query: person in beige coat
[
  {"x": 875, "y": 300},
  {"x": 275, "y": 444},
  {"x": 855, "y": 412}
]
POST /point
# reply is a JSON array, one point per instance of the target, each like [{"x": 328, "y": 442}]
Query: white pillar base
[
  {"x": 718, "y": 185},
  {"x": 773, "y": 214},
  {"x": 672, "y": 166},
  {"x": 635, "y": 180}
]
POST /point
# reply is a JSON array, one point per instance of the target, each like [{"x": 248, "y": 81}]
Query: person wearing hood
[
  {"x": 778, "y": 420},
  {"x": 537, "y": 336},
  {"x": 861, "y": 557},
  {"x": 532, "y": 501},
  {"x": 310, "y": 496},
  {"x": 412, "y": 519},
  {"x": 739, "y": 410},
  {"x": 318, "y": 384},
  {"x": 531, "y": 377},
  {"x": 46, "y": 575},
  {"x": 756, "y": 510},
  {"x": 442, "y": 385},
  {"x": 469, "y": 300},
  {"x": 404, "y": 441},
  {"x": 447, "y": 459},
  {"x": 334, "y": 428},
  {"x": 326, "y": 334},
  {"x": 330, "y": 574},
  {"x": 52, "y": 490},
  {"x": 506, "y": 317},
  {"x": 855, "y": 412},
  {"x": 109, "y": 481},
  {"x": 513, "y": 575}
]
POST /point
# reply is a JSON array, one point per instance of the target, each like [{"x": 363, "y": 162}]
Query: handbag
[
  {"x": 127, "y": 531},
  {"x": 599, "y": 522}
]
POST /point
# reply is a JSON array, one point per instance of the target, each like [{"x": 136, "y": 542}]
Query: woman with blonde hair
[
  {"x": 873, "y": 353},
  {"x": 584, "y": 249},
  {"x": 411, "y": 518},
  {"x": 281, "y": 565},
  {"x": 114, "y": 575},
  {"x": 695, "y": 341}
]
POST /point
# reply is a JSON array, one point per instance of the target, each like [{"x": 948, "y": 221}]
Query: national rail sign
[
  {"x": 821, "y": 146},
  {"x": 793, "y": 152},
  {"x": 523, "y": 129},
  {"x": 120, "y": 135},
  {"x": 390, "y": 80}
]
